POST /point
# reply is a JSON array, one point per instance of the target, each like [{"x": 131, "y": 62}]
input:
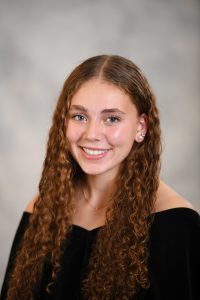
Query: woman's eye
[
  {"x": 113, "y": 119},
  {"x": 80, "y": 118}
]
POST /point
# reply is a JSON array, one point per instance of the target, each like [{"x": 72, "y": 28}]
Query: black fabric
[{"x": 174, "y": 263}]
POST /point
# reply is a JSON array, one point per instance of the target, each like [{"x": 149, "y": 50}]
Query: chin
[{"x": 93, "y": 172}]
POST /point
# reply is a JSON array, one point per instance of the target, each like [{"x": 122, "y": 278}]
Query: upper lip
[{"x": 92, "y": 148}]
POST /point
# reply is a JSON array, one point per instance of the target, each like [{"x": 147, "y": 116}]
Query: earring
[{"x": 142, "y": 135}]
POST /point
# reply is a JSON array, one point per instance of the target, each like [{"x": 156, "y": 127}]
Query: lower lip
[{"x": 93, "y": 157}]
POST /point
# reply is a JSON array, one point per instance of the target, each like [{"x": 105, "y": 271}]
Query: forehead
[{"x": 100, "y": 94}]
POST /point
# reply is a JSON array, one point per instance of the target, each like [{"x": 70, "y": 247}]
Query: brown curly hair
[{"x": 118, "y": 264}]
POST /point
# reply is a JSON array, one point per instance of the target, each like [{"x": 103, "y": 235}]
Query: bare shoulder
[
  {"x": 30, "y": 205},
  {"x": 167, "y": 198}
]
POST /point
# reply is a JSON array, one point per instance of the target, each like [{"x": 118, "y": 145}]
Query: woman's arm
[
  {"x": 15, "y": 245},
  {"x": 175, "y": 255}
]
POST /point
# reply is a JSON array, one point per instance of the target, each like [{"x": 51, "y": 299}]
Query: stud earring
[{"x": 142, "y": 135}]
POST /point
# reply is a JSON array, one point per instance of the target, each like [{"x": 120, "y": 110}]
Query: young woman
[{"x": 103, "y": 225}]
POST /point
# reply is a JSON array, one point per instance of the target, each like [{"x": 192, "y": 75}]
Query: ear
[{"x": 141, "y": 128}]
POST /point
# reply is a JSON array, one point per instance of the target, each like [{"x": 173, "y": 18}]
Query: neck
[{"x": 98, "y": 190}]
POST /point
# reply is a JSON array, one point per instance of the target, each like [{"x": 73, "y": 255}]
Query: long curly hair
[{"x": 118, "y": 266}]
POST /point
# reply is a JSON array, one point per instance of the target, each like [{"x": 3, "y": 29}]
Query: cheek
[
  {"x": 72, "y": 133},
  {"x": 122, "y": 136}
]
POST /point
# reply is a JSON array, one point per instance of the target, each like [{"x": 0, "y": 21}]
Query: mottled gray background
[{"x": 40, "y": 43}]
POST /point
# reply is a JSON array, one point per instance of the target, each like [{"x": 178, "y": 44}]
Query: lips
[{"x": 94, "y": 152}]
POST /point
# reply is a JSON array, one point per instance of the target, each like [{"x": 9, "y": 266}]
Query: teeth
[{"x": 94, "y": 152}]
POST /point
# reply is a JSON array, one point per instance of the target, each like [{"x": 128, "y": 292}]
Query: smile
[{"x": 94, "y": 151}]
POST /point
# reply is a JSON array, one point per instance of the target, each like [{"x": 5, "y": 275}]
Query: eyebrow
[
  {"x": 107, "y": 110},
  {"x": 78, "y": 107}
]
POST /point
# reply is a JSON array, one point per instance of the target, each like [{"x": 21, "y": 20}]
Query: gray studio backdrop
[{"x": 40, "y": 43}]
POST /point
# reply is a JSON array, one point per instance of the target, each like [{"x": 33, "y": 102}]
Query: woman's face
[{"x": 102, "y": 126}]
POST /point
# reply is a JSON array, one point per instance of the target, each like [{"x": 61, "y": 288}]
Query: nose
[{"x": 93, "y": 131}]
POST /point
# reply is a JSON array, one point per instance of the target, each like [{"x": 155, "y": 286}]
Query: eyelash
[
  {"x": 116, "y": 119},
  {"x": 81, "y": 118}
]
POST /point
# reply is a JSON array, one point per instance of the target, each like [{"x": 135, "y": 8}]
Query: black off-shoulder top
[{"x": 174, "y": 263}]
